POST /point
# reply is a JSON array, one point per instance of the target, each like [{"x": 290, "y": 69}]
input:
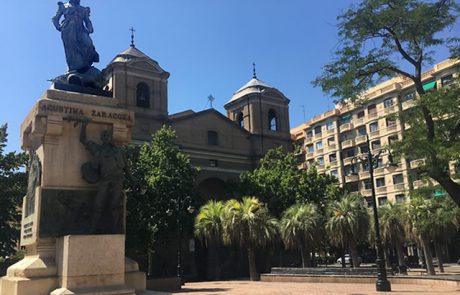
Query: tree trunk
[
  {"x": 306, "y": 261},
  {"x": 401, "y": 260},
  {"x": 438, "y": 250},
  {"x": 354, "y": 255},
  {"x": 428, "y": 256},
  {"x": 387, "y": 256},
  {"x": 451, "y": 187},
  {"x": 253, "y": 275},
  {"x": 214, "y": 262}
]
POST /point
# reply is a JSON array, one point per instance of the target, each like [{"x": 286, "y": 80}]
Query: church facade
[{"x": 221, "y": 146}]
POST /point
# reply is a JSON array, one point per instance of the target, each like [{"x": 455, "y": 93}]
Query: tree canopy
[
  {"x": 380, "y": 39},
  {"x": 158, "y": 173},
  {"x": 12, "y": 189},
  {"x": 279, "y": 183}
]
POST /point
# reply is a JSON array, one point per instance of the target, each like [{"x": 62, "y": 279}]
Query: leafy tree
[
  {"x": 12, "y": 189},
  {"x": 348, "y": 223},
  {"x": 375, "y": 37},
  {"x": 249, "y": 224},
  {"x": 301, "y": 227},
  {"x": 158, "y": 173},
  {"x": 279, "y": 183},
  {"x": 209, "y": 229},
  {"x": 444, "y": 148}
]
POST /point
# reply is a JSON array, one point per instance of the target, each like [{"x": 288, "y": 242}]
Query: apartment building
[{"x": 333, "y": 139}]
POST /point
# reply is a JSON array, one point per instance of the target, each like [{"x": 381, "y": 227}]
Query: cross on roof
[{"x": 132, "y": 36}]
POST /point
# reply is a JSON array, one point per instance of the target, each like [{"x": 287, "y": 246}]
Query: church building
[{"x": 221, "y": 146}]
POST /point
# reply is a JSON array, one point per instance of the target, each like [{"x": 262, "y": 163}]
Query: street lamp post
[
  {"x": 382, "y": 283},
  {"x": 180, "y": 205}
]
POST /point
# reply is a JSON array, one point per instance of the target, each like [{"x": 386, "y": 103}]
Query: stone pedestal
[{"x": 66, "y": 253}]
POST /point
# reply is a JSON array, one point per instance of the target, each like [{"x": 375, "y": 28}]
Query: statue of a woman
[{"x": 75, "y": 29}]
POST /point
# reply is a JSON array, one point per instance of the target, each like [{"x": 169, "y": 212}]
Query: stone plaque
[{"x": 71, "y": 212}]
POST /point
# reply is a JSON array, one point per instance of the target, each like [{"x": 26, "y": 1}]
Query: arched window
[
  {"x": 142, "y": 95},
  {"x": 272, "y": 121},
  {"x": 213, "y": 139},
  {"x": 240, "y": 119}
]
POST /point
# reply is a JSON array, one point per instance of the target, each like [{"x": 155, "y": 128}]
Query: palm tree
[
  {"x": 249, "y": 224},
  {"x": 301, "y": 228},
  {"x": 393, "y": 219},
  {"x": 421, "y": 212},
  {"x": 209, "y": 229},
  {"x": 348, "y": 223}
]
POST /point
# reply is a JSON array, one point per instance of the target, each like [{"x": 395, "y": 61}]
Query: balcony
[
  {"x": 358, "y": 122},
  {"x": 417, "y": 163},
  {"x": 408, "y": 104},
  {"x": 348, "y": 143},
  {"x": 388, "y": 110},
  {"x": 399, "y": 187},
  {"x": 364, "y": 175},
  {"x": 366, "y": 192},
  {"x": 309, "y": 139},
  {"x": 319, "y": 152},
  {"x": 381, "y": 189},
  {"x": 379, "y": 170},
  {"x": 360, "y": 139},
  {"x": 330, "y": 148},
  {"x": 374, "y": 134},
  {"x": 419, "y": 183},
  {"x": 392, "y": 128},
  {"x": 330, "y": 131},
  {"x": 371, "y": 116},
  {"x": 346, "y": 127},
  {"x": 333, "y": 164},
  {"x": 347, "y": 161},
  {"x": 309, "y": 155},
  {"x": 351, "y": 178},
  {"x": 320, "y": 168},
  {"x": 318, "y": 135}
]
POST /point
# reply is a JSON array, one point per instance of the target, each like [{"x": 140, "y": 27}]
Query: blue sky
[{"x": 208, "y": 46}]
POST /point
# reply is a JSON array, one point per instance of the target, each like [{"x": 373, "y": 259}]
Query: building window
[
  {"x": 345, "y": 119},
  {"x": 330, "y": 141},
  {"x": 360, "y": 114},
  {"x": 353, "y": 187},
  {"x": 317, "y": 130},
  {"x": 388, "y": 103},
  {"x": 319, "y": 145},
  {"x": 376, "y": 144},
  {"x": 272, "y": 120},
  {"x": 391, "y": 122},
  {"x": 349, "y": 153},
  {"x": 447, "y": 80},
  {"x": 213, "y": 163},
  {"x": 309, "y": 134},
  {"x": 348, "y": 169},
  {"x": 372, "y": 109},
  {"x": 320, "y": 161},
  {"x": 367, "y": 184},
  {"x": 334, "y": 173},
  {"x": 374, "y": 126},
  {"x": 400, "y": 198},
  {"x": 213, "y": 138},
  {"x": 333, "y": 158},
  {"x": 330, "y": 125},
  {"x": 363, "y": 149},
  {"x": 392, "y": 139},
  {"x": 398, "y": 178},
  {"x": 369, "y": 201},
  {"x": 408, "y": 96},
  {"x": 380, "y": 182},
  {"x": 310, "y": 148},
  {"x": 240, "y": 119},
  {"x": 362, "y": 131},
  {"x": 142, "y": 95},
  {"x": 382, "y": 201},
  {"x": 365, "y": 166},
  {"x": 379, "y": 163}
]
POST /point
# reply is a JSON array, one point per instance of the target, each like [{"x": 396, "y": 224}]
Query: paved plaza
[{"x": 274, "y": 288}]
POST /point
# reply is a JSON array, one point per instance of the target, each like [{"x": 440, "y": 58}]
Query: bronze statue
[
  {"x": 106, "y": 169},
  {"x": 75, "y": 30}
]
